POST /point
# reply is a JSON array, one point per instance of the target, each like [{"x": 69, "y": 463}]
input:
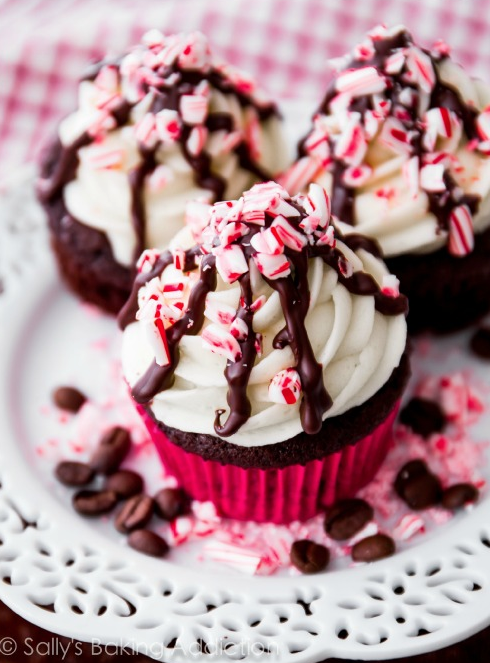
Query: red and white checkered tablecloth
[{"x": 45, "y": 45}]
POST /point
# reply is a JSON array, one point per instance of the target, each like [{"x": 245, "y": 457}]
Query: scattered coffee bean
[
  {"x": 423, "y": 492},
  {"x": 458, "y": 495},
  {"x": 68, "y": 398},
  {"x": 147, "y": 542},
  {"x": 480, "y": 342},
  {"x": 309, "y": 557},
  {"x": 112, "y": 450},
  {"x": 125, "y": 483},
  {"x": 417, "y": 486},
  {"x": 73, "y": 473},
  {"x": 136, "y": 513},
  {"x": 94, "y": 502},
  {"x": 171, "y": 502},
  {"x": 347, "y": 517},
  {"x": 372, "y": 548},
  {"x": 424, "y": 417},
  {"x": 412, "y": 469}
]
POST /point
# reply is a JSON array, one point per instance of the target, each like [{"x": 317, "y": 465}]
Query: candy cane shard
[
  {"x": 285, "y": 387},
  {"x": 362, "y": 81},
  {"x": 461, "y": 238},
  {"x": 272, "y": 267},
  {"x": 220, "y": 341},
  {"x": 230, "y": 262}
]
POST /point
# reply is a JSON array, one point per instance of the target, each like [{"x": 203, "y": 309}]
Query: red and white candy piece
[
  {"x": 197, "y": 140},
  {"x": 317, "y": 145},
  {"x": 420, "y": 69},
  {"x": 239, "y": 329},
  {"x": 167, "y": 123},
  {"x": 220, "y": 341},
  {"x": 483, "y": 124},
  {"x": 230, "y": 262},
  {"x": 461, "y": 238},
  {"x": 233, "y": 231},
  {"x": 432, "y": 178},
  {"x": 364, "y": 50},
  {"x": 100, "y": 122},
  {"x": 410, "y": 172},
  {"x": 359, "y": 82},
  {"x": 394, "y": 136},
  {"x": 268, "y": 241},
  {"x": 345, "y": 267},
  {"x": 151, "y": 315},
  {"x": 107, "y": 79},
  {"x": 237, "y": 557},
  {"x": 219, "y": 312},
  {"x": 147, "y": 260},
  {"x": 285, "y": 387},
  {"x": 395, "y": 62},
  {"x": 145, "y": 131},
  {"x": 317, "y": 203},
  {"x": 356, "y": 176},
  {"x": 258, "y": 303},
  {"x": 351, "y": 145},
  {"x": 179, "y": 258},
  {"x": 299, "y": 175},
  {"x": 272, "y": 267},
  {"x": 327, "y": 238},
  {"x": 193, "y": 108},
  {"x": 372, "y": 122},
  {"x": 408, "y": 527},
  {"x": 194, "y": 52},
  {"x": 390, "y": 285},
  {"x": 287, "y": 234}
]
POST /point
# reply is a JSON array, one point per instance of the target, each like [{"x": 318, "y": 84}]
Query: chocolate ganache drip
[
  {"x": 163, "y": 71},
  {"x": 391, "y": 86},
  {"x": 278, "y": 236}
]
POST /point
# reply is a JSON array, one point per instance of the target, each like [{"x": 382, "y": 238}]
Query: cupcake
[
  {"x": 268, "y": 360},
  {"x": 401, "y": 142},
  {"x": 164, "y": 124}
]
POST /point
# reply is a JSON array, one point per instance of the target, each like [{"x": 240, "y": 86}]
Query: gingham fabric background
[{"x": 46, "y": 44}]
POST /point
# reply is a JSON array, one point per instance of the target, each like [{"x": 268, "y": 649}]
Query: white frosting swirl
[
  {"x": 357, "y": 346},
  {"x": 385, "y": 206},
  {"x": 101, "y": 197}
]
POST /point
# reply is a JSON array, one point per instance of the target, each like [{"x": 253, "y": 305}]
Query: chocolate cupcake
[
  {"x": 401, "y": 142},
  {"x": 166, "y": 123},
  {"x": 268, "y": 361}
]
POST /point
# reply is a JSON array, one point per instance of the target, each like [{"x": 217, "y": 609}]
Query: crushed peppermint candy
[{"x": 387, "y": 108}]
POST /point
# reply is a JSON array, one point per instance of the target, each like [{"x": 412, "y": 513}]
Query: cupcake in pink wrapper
[{"x": 268, "y": 360}]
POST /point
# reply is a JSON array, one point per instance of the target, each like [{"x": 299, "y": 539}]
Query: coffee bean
[
  {"x": 309, "y": 557},
  {"x": 125, "y": 483},
  {"x": 147, "y": 542},
  {"x": 423, "y": 492},
  {"x": 411, "y": 470},
  {"x": 347, "y": 517},
  {"x": 171, "y": 502},
  {"x": 94, "y": 502},
  {"x": 372, "y": 548},
  {"x": 417, "y": 486},
  {"x": 136, "y": 513},
  {"x": 458, "y": 495},
  {"x": 480, "y": 343},
  {"x": 68, "y": 398},
  {"x": 424, "y": 417},
  {"x": 112, "y": 450},
  {"x": 73, "y": 473}
]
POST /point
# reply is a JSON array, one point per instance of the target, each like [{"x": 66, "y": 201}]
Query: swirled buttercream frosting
[
  {"x": 272, "y": 322},
  {"x": 401, "y": 142},
  {"x": 165, "y": 123}
]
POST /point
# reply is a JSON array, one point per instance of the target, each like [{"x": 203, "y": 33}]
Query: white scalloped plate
[{"x": 79, "y": 579}]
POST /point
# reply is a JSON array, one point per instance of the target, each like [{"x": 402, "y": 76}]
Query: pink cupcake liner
[{"x": 277, "y": 495}]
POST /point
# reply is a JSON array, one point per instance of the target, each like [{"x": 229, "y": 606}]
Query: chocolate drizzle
[
  {"x": 441, "y": 204},
  {"x": 164, "y": 97},
  {"x": 294, "y": 296}
]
